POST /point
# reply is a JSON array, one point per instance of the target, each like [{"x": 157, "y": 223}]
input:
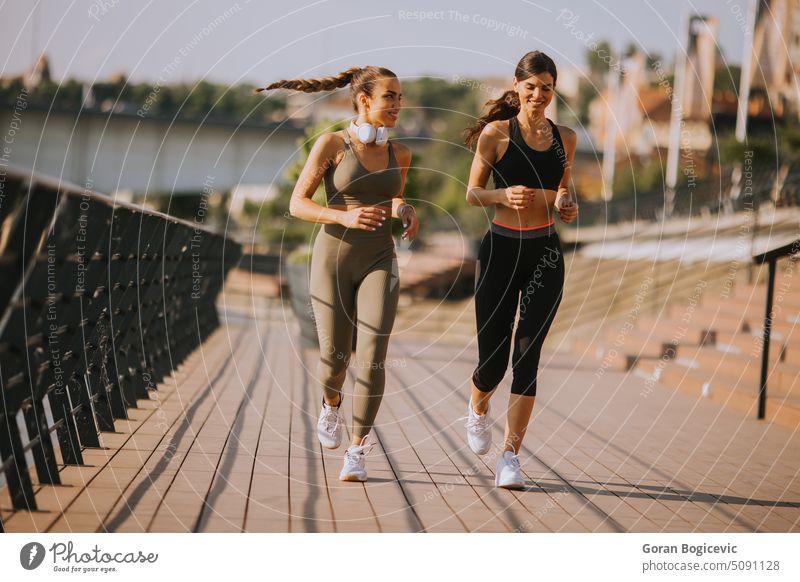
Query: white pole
[
  {"x": 745, "y": 81},
  {"x": 747, "y": 72},
  {"x": 676, "y": 119},
  {"x": 610, "y": 137}
]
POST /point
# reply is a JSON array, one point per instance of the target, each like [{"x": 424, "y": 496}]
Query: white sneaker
[
  {"x": 508, "y": 473},
  {"x": 479, "y": 432},
  {"x": 330, "y": 425},
  {"x": 354, "y": 457}
]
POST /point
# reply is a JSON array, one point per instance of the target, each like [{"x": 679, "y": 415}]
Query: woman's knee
[
  {"x": 524, "y": 385},
  {"x": 486, "y": 378},
  {"x": 371, "y": 374},
  {"x": 371, "y": 377},
  {"x": 333, "y": 367}
]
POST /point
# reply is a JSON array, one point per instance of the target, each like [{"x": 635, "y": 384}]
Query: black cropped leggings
[{"x": 515, "y": 272}]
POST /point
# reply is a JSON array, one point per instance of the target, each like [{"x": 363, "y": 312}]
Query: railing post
[{"x": 762, "y": 390}]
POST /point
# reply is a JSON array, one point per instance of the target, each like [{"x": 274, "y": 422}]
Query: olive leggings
[{"x": 354, "y": 283}]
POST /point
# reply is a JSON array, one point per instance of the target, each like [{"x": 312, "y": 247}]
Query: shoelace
[
  {"x": 478, "y": 424},
  {"x": 332, "y": 419},
  {"x": 514, "y": 462},
  {"x": 355, "y": 455}
]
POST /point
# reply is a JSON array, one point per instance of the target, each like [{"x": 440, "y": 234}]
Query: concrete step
[{"x": 725, "y": 390}]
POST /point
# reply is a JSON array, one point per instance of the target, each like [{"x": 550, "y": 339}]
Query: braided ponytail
[
  {"x": 313, "y": 85},
  {"x": 360, "y": 79}
]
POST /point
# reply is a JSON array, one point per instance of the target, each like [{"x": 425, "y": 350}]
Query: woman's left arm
[
  {"x": 566, "y": 207},
  {"x": 400, "y": 208}
]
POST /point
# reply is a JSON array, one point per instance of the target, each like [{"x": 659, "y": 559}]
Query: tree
[
  {"x": 599, "y": 59},
  {"x": 726, "y": 79}
]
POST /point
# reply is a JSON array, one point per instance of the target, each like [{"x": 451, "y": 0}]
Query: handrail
[
  {"x": 770, "y": 257},
  {"x": 99, "y": 300},
  {"x": 67, "y": 187}
]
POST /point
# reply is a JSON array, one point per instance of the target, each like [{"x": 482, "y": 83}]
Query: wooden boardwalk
[{"x": 229, "y": 445}]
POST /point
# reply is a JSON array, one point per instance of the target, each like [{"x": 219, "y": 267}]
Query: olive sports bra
[{"x": 350, "y": 182}]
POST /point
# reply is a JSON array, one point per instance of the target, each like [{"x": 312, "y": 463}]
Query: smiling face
[
  {"x": 536, "y": 92},
  {"x": 383, "y": 107}
]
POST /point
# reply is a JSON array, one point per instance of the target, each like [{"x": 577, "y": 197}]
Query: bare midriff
[{"x": 539, "y": 213}]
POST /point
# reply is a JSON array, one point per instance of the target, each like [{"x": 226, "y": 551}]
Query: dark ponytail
[
  {"x": 507, "y": 105},
  {"x": 504, "y": 107}
]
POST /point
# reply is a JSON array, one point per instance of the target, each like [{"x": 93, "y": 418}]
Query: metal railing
[
  {"x": 770, "y": 257},
  {"x": 99, "y": 301}
]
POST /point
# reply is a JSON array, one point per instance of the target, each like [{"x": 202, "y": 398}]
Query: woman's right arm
[
  {"x": 515, "y": 197},
  {"x": 485, "y": 154},
  {"x": 322, "y": 155}
]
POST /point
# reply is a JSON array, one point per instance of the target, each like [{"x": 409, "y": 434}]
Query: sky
[{"x": 258, "y": 41}]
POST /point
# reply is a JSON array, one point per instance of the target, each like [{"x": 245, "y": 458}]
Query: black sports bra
[{"x": 525, "y": 166}]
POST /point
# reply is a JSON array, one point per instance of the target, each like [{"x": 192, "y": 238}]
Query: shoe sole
[
  {"x": 512, "y": 486},
  {"x": 352, "y": 478}
]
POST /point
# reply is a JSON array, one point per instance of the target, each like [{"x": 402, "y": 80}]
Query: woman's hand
[
  {"x": 566, "y": 208},
  {"x": 518, "y": 197},
  {"x": 408, "y": 216},
  {"x": 363, "y": 217}
]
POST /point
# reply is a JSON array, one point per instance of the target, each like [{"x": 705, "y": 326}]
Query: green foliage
[
  {"x": 733, "y": 152},
  {"x": 208, "y": 100},
  {"x": 10, "y": 91},
  {"x": 635, "y": 179},
  {"x": 433, "y": 99},
  {"x": 436, "y": 182},
  {"x": 587, "y": 91},
  {"x": 654, "y": 59},
  {"x": 598, "y": 59},
  {"x": 275, "y": 224},
  {"x": 202, "y": 100},
  {"x": 764, "y": 149},
  {"x": 789, "y": 141},
  {"x": 117, "y": 90},
  {"x": 299, "y": 256},
  {"x": 726, "y": 79},
  {"x": 781, "y": 145}
]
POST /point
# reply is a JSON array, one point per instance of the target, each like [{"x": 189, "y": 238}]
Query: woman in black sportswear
[{"x": 520, "y": 262}]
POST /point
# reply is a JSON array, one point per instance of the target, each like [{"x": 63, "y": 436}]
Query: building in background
[
  {"x": 633, "y": 113},
  {"x": 39, "y": 73},
  {"x": 775, "y": 73}
]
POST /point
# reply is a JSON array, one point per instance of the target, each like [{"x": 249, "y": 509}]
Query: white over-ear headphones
[{"x": 368, "y": 133}]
